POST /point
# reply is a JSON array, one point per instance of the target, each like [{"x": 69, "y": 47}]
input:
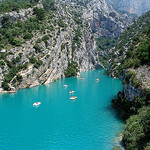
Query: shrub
[
  {"x": 32, "y": 60},
  {"x": 19, "y": 78},
  {"x": 61, "y": 24},
  {"x": 51, "y": 28},
  {"x": 15, "y": 42},
  {"x": 5, "y": 85},
  {"x": 28, "y": 36},
  {"x": 37, "y": 48},
  {"x": 112, "y": 14},
  {"x": 16, "y": 60},
  {"x": 45, "y": 37},
  {"x": 136, "y": 82},
  {"x": 2, "y": 64},
  {"x": 71, "y": 70},
  {"x": 40, "y": 13},
  {"x": 6, "y": 21},
  {"x": 38, "y": 63},
  {"x": 38, "y": 40},
  {"x": 129, "y": 75},
  {"x": 49, "y": 5},
  {"x": 62, "y": 46},
  {"x": 137, "y": 130}
]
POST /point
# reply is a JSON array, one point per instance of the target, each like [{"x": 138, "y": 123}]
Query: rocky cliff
[
  {"x": 60, "y": 39},
  {"x": 131, "y": 53},
  {"x": 40, "y": 44},
  {"x": 104, "y": 20},
  {"x": 22, "y": 14},
  {"x": 137, "y": 7},
  {"x": 55, "y": 64},
  {"x": 129, "y": 61}
]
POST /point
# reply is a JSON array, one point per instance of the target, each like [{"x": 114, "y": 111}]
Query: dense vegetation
[
  {"x": 137, "y": 131},
  {"x": 137, "y": 114},
  {"x": 132, "y": 51},
  {"x": 15, "y": 33},
  {"x": 72, "y": 69},
  {"x": 28, "y": 41},
  {"x": 133, "y": 48},
  {"x": 104, "y": 44},
  {"x": 15, "y": 5}
]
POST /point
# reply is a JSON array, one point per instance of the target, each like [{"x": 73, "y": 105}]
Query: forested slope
[{"x": 130, "y": 61}]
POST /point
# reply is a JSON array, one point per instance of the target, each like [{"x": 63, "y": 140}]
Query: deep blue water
[{"x": 88, "y": 123}]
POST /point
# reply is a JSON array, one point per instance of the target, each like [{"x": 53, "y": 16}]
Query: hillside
[
  {"x": 42, "y": 41},
  {"x": 130, "y": 61},
  {"x": 132, "y": 49},
  {"x": 137, "y": 7},
  {"x": 104, "y": 20}
]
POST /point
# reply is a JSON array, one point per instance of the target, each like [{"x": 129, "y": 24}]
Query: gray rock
[{"x": 137, "y": 7}]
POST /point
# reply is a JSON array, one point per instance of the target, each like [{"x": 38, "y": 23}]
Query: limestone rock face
[
  {"x": 55, "y": 57},
  {"x": 104, "y": 19},
  {"x": 56, "y": 63},
  {"x": 22, "y": 15},
  {"x": 137, "y": 7},
  {"x": 130, "y": 92},
  {"x": 70, "y": 38}
]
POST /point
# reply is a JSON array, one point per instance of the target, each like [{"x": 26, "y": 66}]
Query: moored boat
[
  {"x": 71, "y": 92},
  {"x": 73, "y": 97},
  {"x": 36, "y": 103}
]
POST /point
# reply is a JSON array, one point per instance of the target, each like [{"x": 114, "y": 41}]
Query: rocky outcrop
[
  {"x": 137, "y": 7},
  {"x": 55, "y": 64},
  {"x": 142, "y": 74},
  {"x": 64, "y": 45},
  {"x": 55, "y": 54},
  {"x": 104, "y": 20},
  {"x": 130, "y": 91},
  {"x": 22, "y": 15}
]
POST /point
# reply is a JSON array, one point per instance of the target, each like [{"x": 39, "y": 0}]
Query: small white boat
[
  {"x": 71, "y": 92},
  {"x": 81, "y": 78},
  {"x": 73, "y": 97},
  {"x": 65, "y": 85},
  {"x": 36, "y": 103}
]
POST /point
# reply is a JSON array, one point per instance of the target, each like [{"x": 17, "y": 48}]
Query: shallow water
[{"x": 88, "y": 123}]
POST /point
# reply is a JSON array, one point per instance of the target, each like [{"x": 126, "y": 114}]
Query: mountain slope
[
  {"x": 37, "y": 48},
  {"x": 52, "y": 40},
  {"x": 130, "y": 60},
  {"x": 137, "y": 7},
  {"x": 104, "y": 20},
  {"x": 132, "y": 49}
]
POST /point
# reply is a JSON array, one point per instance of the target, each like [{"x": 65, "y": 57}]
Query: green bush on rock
[
  {"x": 137, "y": 130},
  {"x": 72, "y": 69}
]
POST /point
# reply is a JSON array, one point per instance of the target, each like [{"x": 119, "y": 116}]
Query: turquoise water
[{"x": 88, "y": 123}]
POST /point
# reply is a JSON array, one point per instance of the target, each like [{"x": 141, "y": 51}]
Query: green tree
[{"x": 39, "y": 12}]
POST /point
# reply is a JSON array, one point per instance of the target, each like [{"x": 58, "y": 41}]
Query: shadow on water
[
  {"x": 118, "y": 144},
  {"x": 105, "y": 72},
  {"x": 114, "y": 112}
]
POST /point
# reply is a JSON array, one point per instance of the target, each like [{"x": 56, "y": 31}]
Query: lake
[{"x": 87, "y": 123}]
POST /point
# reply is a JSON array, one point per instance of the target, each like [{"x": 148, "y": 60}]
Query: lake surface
[{"x": 88, "y": 123}]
